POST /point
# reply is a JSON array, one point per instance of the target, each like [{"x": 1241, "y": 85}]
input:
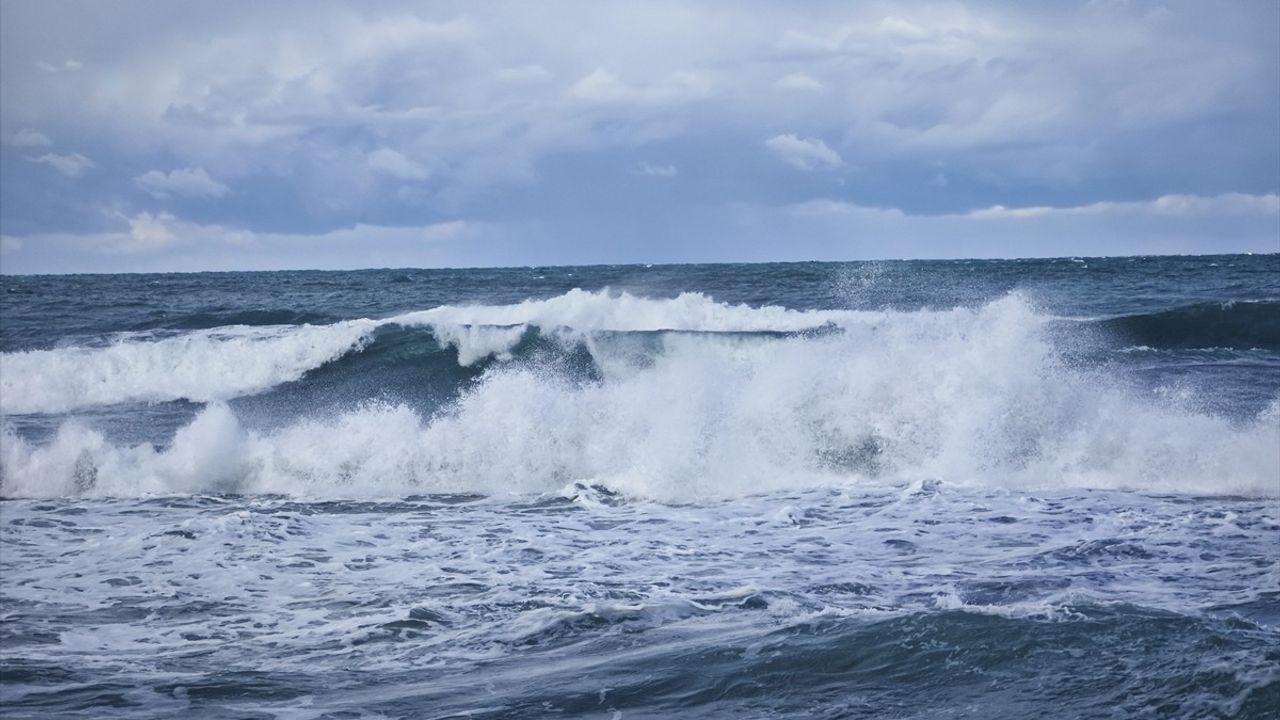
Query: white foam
[
  {"x": 968, "y": 397},
  {"x": 604, "y": 310},
  {"x": 202, "y": 366},
  {"x": 477, "y": 342}
]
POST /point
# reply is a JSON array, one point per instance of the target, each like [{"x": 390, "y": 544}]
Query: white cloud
[
  {"x": 603, "y": 86},
  {"x": 451, "y": 230},
  {"x": 30, "y": 138},
  {"x": 668, "y": 170},
  {"x": 188, "y": 182},
  {"x": 147, "y": 233},
  {"x": 600, "y": 85},
  {"x": 828, "y": 228},
  {"x": 804, "y": 153},
  {"x": 396, "y": 164},
  {"x": 900, "y": 29},
  {"x": 1165, "y": 206},
  {"x": 836, "y": 208},
  {"x": 798, "y": 81},
  {"x": 524, "y": 74},
  {"x": 73, "y": 165},
  {"x": 1226, "y": 204},
  {"x": 65, "y": 66},
  {"x": 162, "y": 242}
]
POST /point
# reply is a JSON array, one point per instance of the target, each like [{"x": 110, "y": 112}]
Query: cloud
[
  {"x": 188, "y": 182},
  {"x": 604, "y": 86},
  {"x": 668, "y": 170},
  {"x": 903, "y": 30},
  {"x": 804, "y": 153},
  {"x": 73, "y": 165},
  {"x": 1226, "y": 204},
  {"x": 815, "y": 229},
  {"x": 798, "y": 81},
  {"x": 30, "y": 138},
  {"x": 397, "y": 165},
  {"x": 401, "y": 113},
  {"x": 147, "y": 233},
  {"x": 833, "y": 229},
  {"x": 163, "y": 242},
  {"x": 1165, "y": 206},
  {"x": 524, "y": 74},
  {"x": 65, "y": 66},
  {"x": 825, "y": 208},
  {"x": 451, "y": 230}
]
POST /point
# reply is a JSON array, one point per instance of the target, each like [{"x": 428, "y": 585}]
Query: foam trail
[
  {"x": 201, "y": 366},
  {"x": 973, "y": 397}
]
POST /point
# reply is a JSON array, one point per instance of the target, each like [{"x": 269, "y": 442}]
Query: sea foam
[{"x": 202, "y": 366}]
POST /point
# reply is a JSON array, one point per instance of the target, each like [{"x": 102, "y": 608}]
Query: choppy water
[{"x": 905, "y": 489}]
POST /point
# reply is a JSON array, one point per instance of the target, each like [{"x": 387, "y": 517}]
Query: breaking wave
[
  {"x": 227, "y": 362},
  {"x": 200, "y": 366},
  {"x": 678, "y": 400}
]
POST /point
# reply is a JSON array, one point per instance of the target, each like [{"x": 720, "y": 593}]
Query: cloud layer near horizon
[{"x": 157, "y": 136}]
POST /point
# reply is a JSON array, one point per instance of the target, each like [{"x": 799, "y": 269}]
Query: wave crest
[{"x": 200, "y": 366}]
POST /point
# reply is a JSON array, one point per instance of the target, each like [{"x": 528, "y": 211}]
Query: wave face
[
  {"x": 683, "y": 399},
  {"x": 1240, "y": 326}
]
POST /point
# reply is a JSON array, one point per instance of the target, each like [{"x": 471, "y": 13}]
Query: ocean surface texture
[{"x": 961, "y": 489}]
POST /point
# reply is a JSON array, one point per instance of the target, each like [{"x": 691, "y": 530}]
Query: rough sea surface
[{"x": 979, "y": 489}]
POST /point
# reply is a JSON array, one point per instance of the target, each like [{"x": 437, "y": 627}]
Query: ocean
[{"x": 906, "y": 489}]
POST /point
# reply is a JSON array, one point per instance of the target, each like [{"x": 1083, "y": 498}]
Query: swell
[
  {"x": 915, "y": 664},
  {"x": 1234, "y": 325},
  {"x": 222, "y": 317}
]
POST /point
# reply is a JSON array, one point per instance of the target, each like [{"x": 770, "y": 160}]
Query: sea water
[{"x": 1006, "y": 488}]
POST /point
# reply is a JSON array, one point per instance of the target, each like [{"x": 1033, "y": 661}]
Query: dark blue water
[{"x": 1024, "y": 488}]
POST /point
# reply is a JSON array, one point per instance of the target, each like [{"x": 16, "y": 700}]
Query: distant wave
[
  {"x": 210, "y": 319},
  {"x": 676, "y": 400},
  {"x": 1238, "y": 325}
]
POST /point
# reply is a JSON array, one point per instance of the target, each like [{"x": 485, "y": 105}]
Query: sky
[{"x": 237, "y": 135}]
